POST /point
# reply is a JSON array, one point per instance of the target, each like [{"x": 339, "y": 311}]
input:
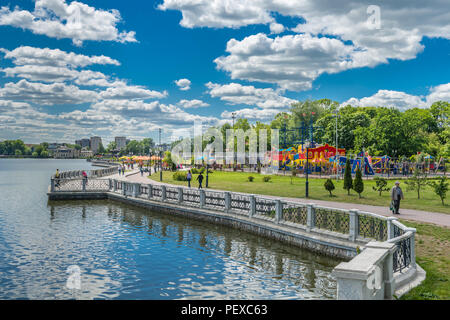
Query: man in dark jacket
[
  {"x": 200, "y": 179},
  {"x": 396, "y": 196}
]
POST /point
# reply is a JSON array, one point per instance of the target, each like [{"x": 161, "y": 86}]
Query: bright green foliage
[
  {"x": 329, "y": 186},
  {"x": 358, "y": 184},
  {"x": 348, "y": 182},
  {"x": 440, "y": 187},
  {"x": 380, "y": 185},
  {"x": 417, "y": 182}
]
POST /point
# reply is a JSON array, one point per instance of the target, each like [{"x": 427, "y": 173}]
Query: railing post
[
  {"x": 311, "y": 216},
  {"x": 412, "y": 246},
  {"x": 124, "y": 185},
  {"x": 110, "y": 185},
  {"x": 163, "y": 193},
  {"x": 52, "y": 185},
  {"x": 137, "y": 190},
  {"x": 227, "y": 201},
  {"x": 390, "y": 227},
  {"x": 202, "y": 198},
  {"x": 278, "y": 211},
  {"x": 114, "y": 185},
  {"x": 83, "y": 183},
  {"x": 150, "y": 191},
  {"x": 353, "y": 227},
  {"x": 252, "y": 206},
  {"x": 180, "y": 194}
]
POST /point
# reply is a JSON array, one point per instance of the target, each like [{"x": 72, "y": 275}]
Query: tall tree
[{"x": 348, "y": 182}]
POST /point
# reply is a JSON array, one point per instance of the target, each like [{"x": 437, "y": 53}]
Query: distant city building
[
  {"x": 53, "y": 146},
  {"x": 84, "y": 143},
  {"x": 85, "y": 153},
  {"x": 63, "y": 152},
  {"x": 95, "y": 144},
  {"x": 121, "y": 142},
  {"x": 128, "y": 141}
]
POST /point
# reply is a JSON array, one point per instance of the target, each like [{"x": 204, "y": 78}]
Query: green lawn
[
  {"x": 433, "y": 255},
  {"x": 281, "y": 186}
]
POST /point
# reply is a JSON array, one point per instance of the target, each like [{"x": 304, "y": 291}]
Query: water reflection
[{"x": 179, "y": 258}]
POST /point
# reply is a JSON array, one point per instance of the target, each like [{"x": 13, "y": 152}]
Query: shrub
[
  {"x": 329, "y": 186},
  {"x": 266, "y": 179},
  {"x": 251, "y": 178},
  {"x": 381, "y": 184},
  {"x": 440, "y": 188},
  {"x": 194, "y": 171},
  {"x": 180, "y": 176},
  {"x": 358, "y": 184}
]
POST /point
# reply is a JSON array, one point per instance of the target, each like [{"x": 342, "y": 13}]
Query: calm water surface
[{"x": 124, "y": 252}]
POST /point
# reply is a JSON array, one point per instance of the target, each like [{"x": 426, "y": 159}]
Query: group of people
[
  {"x": 199, "y": 179},
  {"x": 58, "y": 178},
  {"x": 121, "y": 170}
]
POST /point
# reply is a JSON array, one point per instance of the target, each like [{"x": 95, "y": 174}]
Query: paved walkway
[{"x": 441, "y": 219}]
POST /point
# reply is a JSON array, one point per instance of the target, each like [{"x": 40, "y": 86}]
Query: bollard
[
  {"x": 202, "y": 198},
  {"x": 150, "y": 191},
  {"x": 180, "y": 194},
  {"x": 163, "y": 193},
  {"x": 311, "y": 216},
  {"x": 353, "y": 226},
  {"x": 227, "y": 201},
  {"x": 252, "y": 206},
  {"x": 83, "y": 183},
  {"x": 278, "y": 211},
  {"x": 52, "y": 185},
  {"x": 390, "y": 227}
]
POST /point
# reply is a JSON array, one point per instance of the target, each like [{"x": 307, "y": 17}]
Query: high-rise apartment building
[
  {"x": 121, "y": 142},
  {"x": 95, "y": 144}
]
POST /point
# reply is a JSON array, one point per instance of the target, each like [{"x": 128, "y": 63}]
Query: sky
[{"x": 74, "y": 69}]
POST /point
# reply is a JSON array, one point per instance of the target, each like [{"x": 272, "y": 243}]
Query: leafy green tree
[
  {"x": 101, "y": 148},
  {"x": 418, "y": 181},
  {"x": 380, "y": 185},
  {"x": 111, "y": 146},
  {"x": 440, "y": 187},
  {"x": 329, "y": 186},
  {"x": 35, "y": 154},
  {"x": 358, "y": 184},
  {"x": 44, "y": 154},
  {"x": 348, "y": 182},
  {"x": 18, "y": 152}
]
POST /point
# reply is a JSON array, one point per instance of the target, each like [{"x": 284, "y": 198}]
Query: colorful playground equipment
[{"x": 321, "y": 159}]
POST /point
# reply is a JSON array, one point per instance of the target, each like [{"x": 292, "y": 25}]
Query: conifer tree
[
  {"x": 348, "y": 183},
  {"x": 358, "y": 184}
]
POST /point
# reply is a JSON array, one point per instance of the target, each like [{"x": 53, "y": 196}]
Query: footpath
[{"x": 437, "y": 218}]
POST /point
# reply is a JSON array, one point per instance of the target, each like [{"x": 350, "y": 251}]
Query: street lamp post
[
  {"x": 233, "y": 116},
  {"x": 307, "y": 168},
  {"x": 337, "y": 152}
]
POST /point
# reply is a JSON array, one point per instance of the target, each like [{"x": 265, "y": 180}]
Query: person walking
[
  {"x": 200, "y": 179},
  {"x": 141, "y": 170},
  {"x": 189, "y": 178},
  {"x": 396, "y": 196},
  {"x": 120, "y": 170}
]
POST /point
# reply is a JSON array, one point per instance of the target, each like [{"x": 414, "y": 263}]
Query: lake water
[{"x": 121, "y": 252}]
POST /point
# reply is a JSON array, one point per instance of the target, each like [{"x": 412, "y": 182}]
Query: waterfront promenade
[{"x": 437, "y": 218}]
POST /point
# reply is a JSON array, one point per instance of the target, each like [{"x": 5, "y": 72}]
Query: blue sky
[{"x": 252, "y": 57}]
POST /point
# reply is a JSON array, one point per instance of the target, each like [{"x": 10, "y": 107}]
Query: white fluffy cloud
[
  {"x": 46, "y": 94},
  {"x": 402, "y": 100},
  {"x": 276, "y": 28},
  {"x": 76, "y": 21},
  {"x": 26, "y": 55},
  {"x": 218, "y": 13},
  {"x": 194, "y": 103},
  {"x": 131, "y": 92},
  {"x": 235, "y": 93},
  {"x": 336, "y": 35},
  {"x": 183, "y": 84}
]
